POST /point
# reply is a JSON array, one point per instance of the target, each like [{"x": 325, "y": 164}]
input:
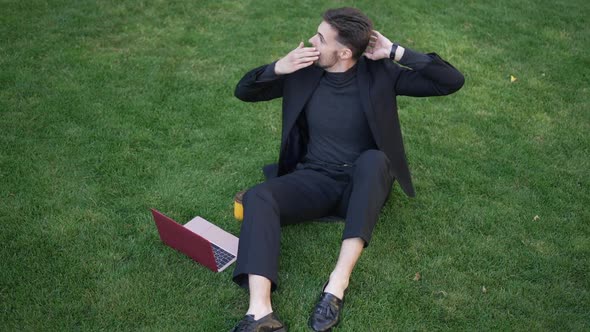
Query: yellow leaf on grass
[
  {"x": 513, "y": 79},
  {"x": 417, "y": 277}
]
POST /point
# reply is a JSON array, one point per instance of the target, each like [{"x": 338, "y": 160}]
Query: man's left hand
[{"x": 379, "y": 47}]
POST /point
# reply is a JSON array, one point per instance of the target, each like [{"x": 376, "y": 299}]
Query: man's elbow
[
  {"x": 459, "y": 82},
  {"x": 454, "y": 85},
  {"x": 242, "y": 94}
]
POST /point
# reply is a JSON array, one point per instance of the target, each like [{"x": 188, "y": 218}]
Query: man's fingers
[
  {"x": 374, "y": 39},
  {"x": 303, "y": 65},
  {"x": 304, "y": 55},
  {"x": 308, "y": 53},
  {"x": 306, "y": 50},
  {"x": 306, "y": 59}
]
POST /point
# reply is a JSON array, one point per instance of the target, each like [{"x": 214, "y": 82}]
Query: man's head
[{"x": 344, "y": 34}]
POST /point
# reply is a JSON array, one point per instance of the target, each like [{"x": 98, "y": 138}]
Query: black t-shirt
[{"x": 338, "y": 129}]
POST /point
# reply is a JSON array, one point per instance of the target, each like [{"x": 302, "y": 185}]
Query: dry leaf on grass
[
  {"x": 417, "y": 277},
  {"x": 441, "y": 294}
]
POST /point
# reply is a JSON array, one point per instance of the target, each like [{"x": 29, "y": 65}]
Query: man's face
[{"x": 325, "y": 42}]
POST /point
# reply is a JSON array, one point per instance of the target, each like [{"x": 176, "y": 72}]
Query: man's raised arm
[
  {"x": 429, "y": 75},
  {"x": 266, "y": 82}
]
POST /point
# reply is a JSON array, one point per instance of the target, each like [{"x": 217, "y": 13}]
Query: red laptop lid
[{"x": 184, "y": 240}]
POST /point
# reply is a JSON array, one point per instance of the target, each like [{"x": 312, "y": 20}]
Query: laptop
[{"x": 200, "y": 240}]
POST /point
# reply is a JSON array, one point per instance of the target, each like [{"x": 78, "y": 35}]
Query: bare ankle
[
  {"x": 260, "y": 304},
  {"x": 339, "y": 279},
  {"x": 259, "y": 312},
  {"x": 337, "y": 285}
]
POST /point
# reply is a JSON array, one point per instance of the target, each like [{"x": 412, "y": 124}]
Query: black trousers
[{"x": 354, "y": 192}]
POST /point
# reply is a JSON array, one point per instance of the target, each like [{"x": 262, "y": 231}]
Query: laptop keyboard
[{"x": 222, "y": 257}]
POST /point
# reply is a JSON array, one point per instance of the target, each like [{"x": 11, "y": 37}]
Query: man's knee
[
  {"x": 373, "y": 161},
  {"x": 259, "y": 195}
]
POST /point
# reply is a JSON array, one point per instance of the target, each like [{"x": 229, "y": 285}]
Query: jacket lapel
[
  {"x": 299, "y": 95},
  {"x": 364, "y": 86}
]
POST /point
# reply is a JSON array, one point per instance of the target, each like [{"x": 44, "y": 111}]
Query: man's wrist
[
  {"x": 397, "y": 52},
  {"x": 274, "y": 67},
  {"x": 268, "y": 74}
]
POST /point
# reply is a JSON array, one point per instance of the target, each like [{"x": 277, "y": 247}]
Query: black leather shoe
[
  {"x": 268, "y": 323},
  {"x": 326, "y": 313}
]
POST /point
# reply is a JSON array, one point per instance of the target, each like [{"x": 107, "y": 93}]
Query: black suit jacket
[{"x": 379, "y": 84}]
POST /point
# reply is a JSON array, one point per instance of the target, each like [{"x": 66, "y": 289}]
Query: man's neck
[{"x": 341, "y": 66}]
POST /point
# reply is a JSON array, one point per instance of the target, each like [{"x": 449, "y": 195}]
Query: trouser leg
[
  {"x": 298, "y": 196},
  {"x": 368, "y": 191}
]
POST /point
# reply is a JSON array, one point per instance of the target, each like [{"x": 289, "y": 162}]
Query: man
[{"x": 341, "y": 151}]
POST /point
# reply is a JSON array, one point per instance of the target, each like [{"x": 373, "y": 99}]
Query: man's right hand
[{"x": 298, "y": 58}]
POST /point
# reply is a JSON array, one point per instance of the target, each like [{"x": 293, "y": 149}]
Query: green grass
[{"x": 108, "y": 108}]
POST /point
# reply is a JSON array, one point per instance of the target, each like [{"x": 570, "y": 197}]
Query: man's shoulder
[
  {"x": 382, "y": 69},
  {"x": 371, "y": 64},
  {"x": 303, "y": 77},
  {"x": 312, "y": 70}
]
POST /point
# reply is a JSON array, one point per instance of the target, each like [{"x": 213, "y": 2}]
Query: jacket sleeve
[
  {"x": 260, "y": 84},
  {"x": 425, "y": 75}
]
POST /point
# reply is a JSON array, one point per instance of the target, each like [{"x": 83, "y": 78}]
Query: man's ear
[{"x": 345, "y": 53}]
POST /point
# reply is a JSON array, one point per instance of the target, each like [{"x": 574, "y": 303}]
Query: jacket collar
[{"x": 364, "y": 86}]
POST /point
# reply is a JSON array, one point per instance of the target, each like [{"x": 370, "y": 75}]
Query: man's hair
[{"x": 354, "y": 28}]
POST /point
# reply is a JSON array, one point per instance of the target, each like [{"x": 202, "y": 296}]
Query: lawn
[{"x": 109, "y": 108}]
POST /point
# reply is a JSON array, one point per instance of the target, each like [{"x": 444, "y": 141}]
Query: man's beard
[{"x": 328, "y": 62}]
